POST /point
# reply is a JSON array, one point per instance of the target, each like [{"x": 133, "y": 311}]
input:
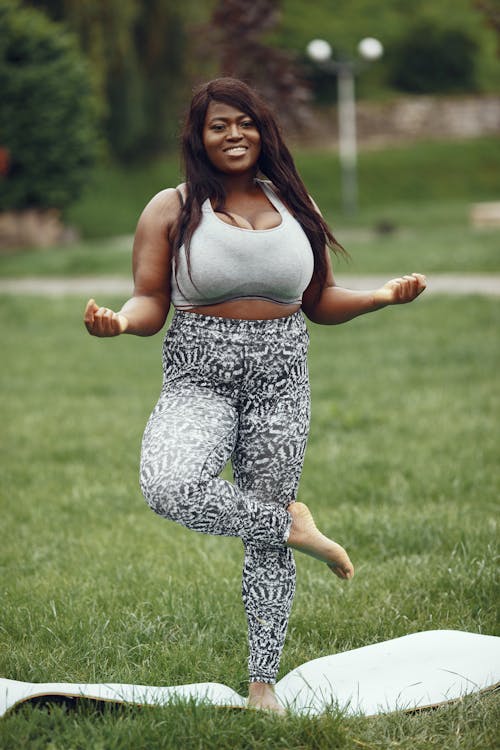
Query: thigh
[
  {"x": 192, "y": 429},
  {"x": 272, "y": 437},
  {"x": 190, "y": 434}
]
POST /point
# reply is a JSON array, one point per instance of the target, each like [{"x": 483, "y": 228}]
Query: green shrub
[
  {"x": 433, "y": 59},
  {"x": 47, "y": 114}
]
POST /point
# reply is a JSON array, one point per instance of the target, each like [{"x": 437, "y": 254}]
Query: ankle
[{"x": 260, "y": 688}]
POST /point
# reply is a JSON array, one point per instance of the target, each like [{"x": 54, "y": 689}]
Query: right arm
[{"x": 145, "y": 312}]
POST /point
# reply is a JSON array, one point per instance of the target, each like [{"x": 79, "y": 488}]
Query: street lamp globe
[
  {"x": 370, "y": 48},
  {"x": 319, "y": 50}
]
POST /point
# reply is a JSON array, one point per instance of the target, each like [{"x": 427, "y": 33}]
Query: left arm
[{"x": 332, "y": 304}]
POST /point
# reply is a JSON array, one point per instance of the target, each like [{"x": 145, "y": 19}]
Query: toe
[{"x": 342, "y": 572}]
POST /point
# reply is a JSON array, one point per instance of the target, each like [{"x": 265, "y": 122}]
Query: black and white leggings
[{"x": 239, "y": 390}]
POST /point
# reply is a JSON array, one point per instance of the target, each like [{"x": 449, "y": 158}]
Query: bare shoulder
[
  {"x": 163, "y": 208},
  {"x": 152, "y": 239}
]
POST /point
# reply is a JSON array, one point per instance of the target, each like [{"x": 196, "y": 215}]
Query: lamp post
[{"x": 320, "y": 51}]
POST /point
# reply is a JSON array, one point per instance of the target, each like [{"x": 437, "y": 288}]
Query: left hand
[{"x": 401, "y": 290}]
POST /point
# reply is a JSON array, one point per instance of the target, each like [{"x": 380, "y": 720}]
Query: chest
[{"x": 256, "y": 214}]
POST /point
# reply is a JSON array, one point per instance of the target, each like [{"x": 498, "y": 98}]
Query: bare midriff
[{"x": 247, "y": 309}]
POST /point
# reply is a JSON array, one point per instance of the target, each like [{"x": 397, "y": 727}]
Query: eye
[
  {"x": 217, "y": 127},
  {"x": 247, "y": 124}
]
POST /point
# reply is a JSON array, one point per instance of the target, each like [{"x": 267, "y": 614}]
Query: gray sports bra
[{"x": 230, "y": 262}]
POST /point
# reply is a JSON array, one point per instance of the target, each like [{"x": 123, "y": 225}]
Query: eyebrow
[{"x": 228, "y": 119}]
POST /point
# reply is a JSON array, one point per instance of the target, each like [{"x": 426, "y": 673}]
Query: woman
[{"x": 239, "y": 257}]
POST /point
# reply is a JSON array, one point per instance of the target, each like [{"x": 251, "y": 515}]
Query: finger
[
  {"x": 422, "y": 281},
  {"x": 106, "y": 319},
  {"x": 409, "y": 288},
  {"x": 90, "y": 307},
  {"x": 399, "y": 289},
  {"x": 98, "y": 327},
  {"x": 416, "y": 289},
  {"x": 416, "y": 285},
  {"x": 98, "y": 323},
  {"x": 88, "y": 315},
  {"x": 112, "y": 324},
  {"x": 344, "y": 572}
]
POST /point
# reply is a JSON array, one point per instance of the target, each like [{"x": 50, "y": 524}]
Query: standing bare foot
[
  {"x": 305, "y": 537},
  {"x": 261, "y": 695}
]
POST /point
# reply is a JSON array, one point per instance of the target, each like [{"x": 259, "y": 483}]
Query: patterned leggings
[{"x": 239, "y": 390}]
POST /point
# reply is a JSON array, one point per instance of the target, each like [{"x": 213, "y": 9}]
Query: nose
[{"x": 234, "y": 132}]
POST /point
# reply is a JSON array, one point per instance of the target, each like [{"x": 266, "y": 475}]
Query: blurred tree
[
  {"x": 491, "y": 10},
  {"x": 344, "y": 23},
  {"x": 48, "y": 114},
  {"x": 161, "y": 41},
  {"x": 237, "y": 31},
  {"x": 431, "y": 59},
  {"x": 102, "y": 29},
  {"x": 137, "y": 54}
]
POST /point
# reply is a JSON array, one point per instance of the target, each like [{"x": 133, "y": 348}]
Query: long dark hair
[{"x": 275, "y": 163}]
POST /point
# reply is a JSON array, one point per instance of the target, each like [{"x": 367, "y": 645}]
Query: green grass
[
  {"x": 423, "y": 192},
  {"x": 394, "y": 184},
  {"x": 114, "y": 199},
  {"x": 409, "y": 175},
  {"x": 451, "y": 246},
  {"x": 454, "y": 246},
  {"x": 402, "y": 467},
  {"x": 107, "y": 256}
]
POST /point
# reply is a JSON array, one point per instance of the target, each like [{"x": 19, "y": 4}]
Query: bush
[
  {"x": 433, "y": 59},
  {"x": 47, "y": 115}
]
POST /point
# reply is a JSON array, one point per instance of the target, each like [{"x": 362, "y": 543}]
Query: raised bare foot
[
  {"x": 261, "y": 695},
  {"x": 305, "y": 537}
]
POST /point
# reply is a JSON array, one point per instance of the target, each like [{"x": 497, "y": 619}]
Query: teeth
[{"x": 236, "y": 150}]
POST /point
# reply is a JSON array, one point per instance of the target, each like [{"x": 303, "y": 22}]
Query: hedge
[{"x": 48, "y": 123}]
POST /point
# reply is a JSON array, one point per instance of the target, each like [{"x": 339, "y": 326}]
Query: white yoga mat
[{"x": 408, "y": 673}]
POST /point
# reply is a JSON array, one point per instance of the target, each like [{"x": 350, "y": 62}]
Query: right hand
[{"x": 102, "y": 322}]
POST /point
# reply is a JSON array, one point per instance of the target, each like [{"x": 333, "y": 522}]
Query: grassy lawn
[
  {"x": 451, "y": 246},
  {"x": 402, "y": 467},
  {"x": 422, "y": 192}
]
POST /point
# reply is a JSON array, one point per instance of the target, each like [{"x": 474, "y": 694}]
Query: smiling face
[{"x": 231, "y": 139}]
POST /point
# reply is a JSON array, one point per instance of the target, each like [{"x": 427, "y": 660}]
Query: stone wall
[
  {"x": 33, "y": 228},
  {"x": 429, "y": 117},
  {"x": 410, "y": 118}
]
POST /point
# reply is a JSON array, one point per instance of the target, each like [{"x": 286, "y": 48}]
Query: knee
[
  {"x": 157, "y": 494},
  {"x": 168, "y": 492}
]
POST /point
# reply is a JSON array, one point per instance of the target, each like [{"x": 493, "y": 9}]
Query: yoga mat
[{"x": 416, "y": 671}]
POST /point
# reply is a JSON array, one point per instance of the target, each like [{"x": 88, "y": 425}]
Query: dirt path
[{"x": 97, "y": 286}]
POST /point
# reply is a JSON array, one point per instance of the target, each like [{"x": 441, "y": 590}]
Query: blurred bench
[{"x": 485, "y": 214}]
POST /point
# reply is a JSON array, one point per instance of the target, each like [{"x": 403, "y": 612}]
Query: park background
[{"x": 402, "y": 464}]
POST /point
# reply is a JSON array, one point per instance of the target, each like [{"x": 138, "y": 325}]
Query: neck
[{"x": 241, "y": 183}]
